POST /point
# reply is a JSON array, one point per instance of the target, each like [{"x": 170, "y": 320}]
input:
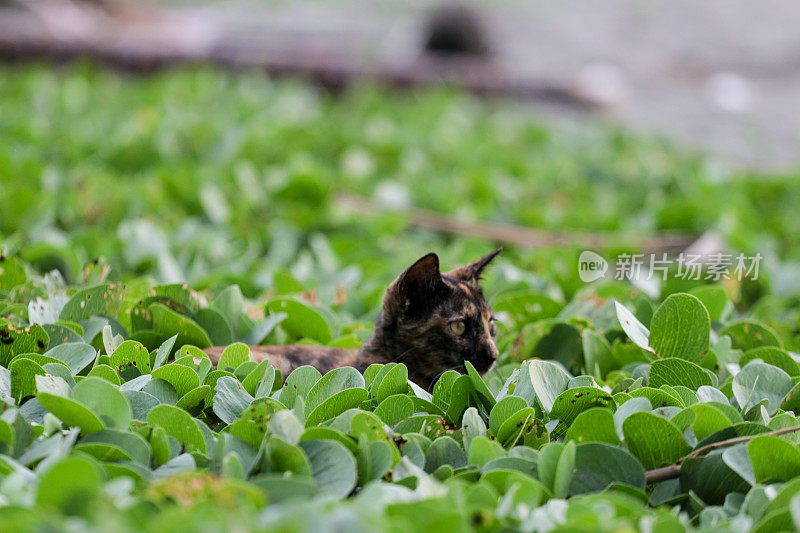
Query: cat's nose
[{"x": 493, "y": 351}]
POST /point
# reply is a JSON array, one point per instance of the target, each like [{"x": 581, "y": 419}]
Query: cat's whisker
[
  {"x": 402, "y": 355},
  {"x": 434, "y": 380}
]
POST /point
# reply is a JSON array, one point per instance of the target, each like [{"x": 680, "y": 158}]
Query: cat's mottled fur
[{"x": 430, "y": 321}]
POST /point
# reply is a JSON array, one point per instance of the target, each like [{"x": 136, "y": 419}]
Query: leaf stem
[{"x": 673, "y": 471}]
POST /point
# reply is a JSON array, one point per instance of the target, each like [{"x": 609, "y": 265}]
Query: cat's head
[{"x": 435, "y": 321}]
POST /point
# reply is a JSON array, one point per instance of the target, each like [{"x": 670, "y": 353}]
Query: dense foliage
[{"x": 119, "y": 191}]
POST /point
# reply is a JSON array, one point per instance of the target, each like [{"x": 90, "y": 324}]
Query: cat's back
[{"x": 287, "y": 358}]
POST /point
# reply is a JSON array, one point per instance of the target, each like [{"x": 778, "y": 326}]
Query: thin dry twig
[
  {"x": 518, "y": 235},
  {"x": 673, "y": 471}
]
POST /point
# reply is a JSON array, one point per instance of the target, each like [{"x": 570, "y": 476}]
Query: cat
[{"x": 430, "y": 321}]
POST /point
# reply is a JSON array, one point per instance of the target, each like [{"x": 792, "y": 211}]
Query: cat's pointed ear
[
  {"x": 417, "y": 285},
  {"x": 473, "y": 271}
]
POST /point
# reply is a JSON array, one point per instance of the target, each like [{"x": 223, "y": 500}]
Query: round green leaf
[
  {"x": 598, "y": 464},
  {"x": 749, "y": 334},
  {"x": 76, "y": 355},
  {"x": 680, "y": 328},
  {"x": 182, "y": 378},
  {"x": 773, "y": 459},
  {"x": 332, "y": 466},
  {"x": 593, "y": 425},
  {"x": 105, "y": 400},
  {"x": 654, "y": 440},
  {"x": 301, "y": 320},
  {"x": 674, "y": 371},
  {"x": 760, "y": 381},
  {"x": 179, "y": 424},
  {"x": 71, "y": 412}
]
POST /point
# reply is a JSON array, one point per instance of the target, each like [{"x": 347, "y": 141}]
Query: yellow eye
[{"x": 458, "y": 327}]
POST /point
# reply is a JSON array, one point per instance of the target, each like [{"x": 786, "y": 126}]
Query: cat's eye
[{"x": 458, "y": 327}]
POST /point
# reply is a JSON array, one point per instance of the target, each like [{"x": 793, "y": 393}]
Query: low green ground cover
[{"x": 145, "y": 218}]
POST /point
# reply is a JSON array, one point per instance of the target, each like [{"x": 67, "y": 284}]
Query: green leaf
[
  {"x": 71, "y": 412},
  {"x": 635, "y": 330},
  {"x": 654, "y": 440},
  {"x": 711, "y": 478},
  {"x": 658, "y": 397},
  {"x": 299, "y": 383},
  {"x": 287, "y": 458},
  {"x": 164, "y": 351},
  {"x": 328, "y": 433},
  {"x": 23, "y": 378},
  {"x": 394, "y": 382},
  {"x": 260, "y": 331},
  {"x": 12, "y": 272},
  {"x": 374, "y": 460},
  {"x": 15, "y": 341},
  {"x": 526, "y": 306},
  {"x": 773, "y": 459},
  {"x": 213, "y": 323},
  {"x": 69, "y": 485},
  {"x": 179, "y": 424},
  {"x": 708, "y": 419},
  {"x": 680, "y": 328},
  {"x": 254, "y": 378},
  {"x": 60, "y": 334},
  {"x": 332, "y": 382},
  {"x": 132, "y": 443},
  {"x": 394, "y": 409},
  {"x": 336, "y": 405},
  {"x": 673, "y": 371},
  {"x": 472, "y": 426},
  {"x": 597, "y": 356},
  {"x": 230, "y": 399},
  {"x": 233, "y": 356},
  {"x": 167, "y": 322},
  {"x": 104, "y": 299},
  {"x": 301, "y": 320},
  {"x": 597, "y": 465},
  {"x": 481, "y": 389},
  {"x": 715, "y": 300},
  {"x": 131, "y": 353},
  {"x": 482, "y": 450},
  {"x": 444, "y": 451},
  {"x": 504, "y": 409},
  {"x": 460, "y": 396},
  {"x": 593, "y": 425},
  {"x": 572, "y": 402},
  {"x": 332, "y": 465},
  {"x": 105, "y": 400},
  {"x": 772, "y": 356},
  {"x": 252, "y": 427},
  {"x": 107, "y": 373},
  {"x": 760, "y": 381},
  {"x": 523, "y": 428},
  {"x": 141, "y": 402},
  {"x": 548, "y": 381},
  {"x": 181, "y": 377},
  {"x": 76, "y": 355},
  {"x": 196, "y": 400},
  {"x": 749, "y": 334},
  {"x": 556, "y": 467}
]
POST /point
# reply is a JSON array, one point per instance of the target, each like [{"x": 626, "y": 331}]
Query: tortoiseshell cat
[{"x": 430, "y": 321}]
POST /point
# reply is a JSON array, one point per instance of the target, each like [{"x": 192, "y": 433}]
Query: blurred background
[{"x": 289, "y": 146}]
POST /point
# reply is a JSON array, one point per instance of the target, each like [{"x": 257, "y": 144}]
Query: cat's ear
[
  {"x": 473, "y": 271},
  {"x": 417, "y": 286}
]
